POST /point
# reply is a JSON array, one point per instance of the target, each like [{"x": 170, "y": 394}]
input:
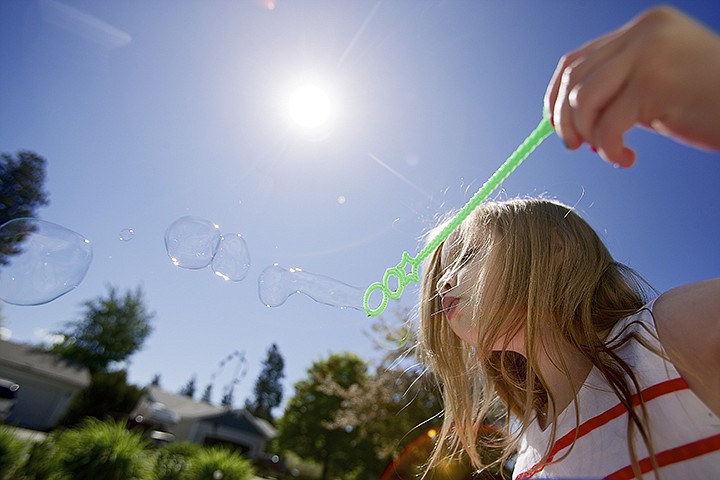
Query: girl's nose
[{"x": 446, "y": 285}]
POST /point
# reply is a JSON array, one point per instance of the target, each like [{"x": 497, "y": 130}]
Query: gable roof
[
  {"x": 188, "y": 408},
  {"x": 243, "y": 420},
  {"x": 34, "y": 360},
  {"x": 183, "y": 405}
]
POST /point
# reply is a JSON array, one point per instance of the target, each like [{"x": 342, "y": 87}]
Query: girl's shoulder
[{"x": 687, "y": 320}]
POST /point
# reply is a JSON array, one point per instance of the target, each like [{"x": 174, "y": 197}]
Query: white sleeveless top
[{"x": 685, "y": 433}]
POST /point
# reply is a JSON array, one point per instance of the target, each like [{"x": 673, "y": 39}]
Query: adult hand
[{"x": 661, "y": 71}]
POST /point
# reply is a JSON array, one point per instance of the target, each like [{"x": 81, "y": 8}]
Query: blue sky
[{"x": 150, "y": 111}]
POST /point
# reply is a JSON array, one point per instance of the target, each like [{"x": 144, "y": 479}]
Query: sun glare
[{"x": 309, "y": 106}]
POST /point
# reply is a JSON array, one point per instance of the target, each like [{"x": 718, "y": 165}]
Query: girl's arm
[
  {"x": 661, "y": 71},
  {"x": 688, "y": 324}
]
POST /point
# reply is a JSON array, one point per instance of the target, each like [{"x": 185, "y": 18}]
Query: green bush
[
  {"x": 106, "y": 450},
  {"x": 11, "y": 451},
  {"x": 219, "y": 464},
  {"x": 173, "y": 460},
  {"x": 41, "y": 462},
  {"x": 108, "y": 394}
]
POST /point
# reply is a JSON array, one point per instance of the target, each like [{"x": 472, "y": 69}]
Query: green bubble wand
[{"x": 399, "y": 271}]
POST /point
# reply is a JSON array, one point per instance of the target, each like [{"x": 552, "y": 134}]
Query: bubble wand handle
[{"x": 399, "y": 271}]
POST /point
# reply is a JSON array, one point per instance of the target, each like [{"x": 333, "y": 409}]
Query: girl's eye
[{"x": 467, "y": 256}]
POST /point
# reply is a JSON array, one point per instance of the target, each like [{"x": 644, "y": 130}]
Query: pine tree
[
  {"x": 189, "y": 389},
  {"x": 268, "y": 387},
  {"x": 227, "y": 399},
  {"x": 207, "y": 394}
]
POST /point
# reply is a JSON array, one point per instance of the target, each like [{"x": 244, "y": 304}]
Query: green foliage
[
  {"x": 356, "y": 423},
  {"x": 268, "y": 391},
  {"x": 21, "y": 193},
  {"x": 41, "y": 463},
  {"x": 308, "y": 427},
  {"x": 11, "y": 452},
  {"x": 387, "y": 409},
  {"x": 172, "y": 460},
  {"x": 399, "y": 411},
  {"x": 393, "y": 402},
  {"x": 112, "y": 329},
  {"x": 108, "y": 451},
  {"x": 219, "y": 464},
  {"x": 102, "y": 450},
  {"x": 107, "y": 395}
]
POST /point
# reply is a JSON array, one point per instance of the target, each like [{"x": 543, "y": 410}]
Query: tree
[
  {"x": 398, "y": 410},
  {"x": 21, "y": 194},
  {"x": 207, "y": 394},
  {"x": 227, "y": 398},
  {"x": 388, "y": 408},
  {"x": 108, "y": 395},
  {"x": 268, "y": 387},
  {"x": 189, "y": 389},
  {"x": 155, "y": 382},
  {"x": 308, "y": 429},
  {"x": 393, "y": 405},
  {"x": 111, "y": 330}
]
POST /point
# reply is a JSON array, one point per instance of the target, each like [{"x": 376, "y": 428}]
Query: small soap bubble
[
  {"x": 191, "y": 242},
  {"x": 341, "y": 200},
  {"x": 127, "y": 234},
  {"x": 40, "y": 261},
  {"x": 277, "y": 283},
  {"x": 232, "y": 260}
]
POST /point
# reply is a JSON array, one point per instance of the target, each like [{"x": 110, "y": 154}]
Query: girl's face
[{"x": 459, "y": 294}]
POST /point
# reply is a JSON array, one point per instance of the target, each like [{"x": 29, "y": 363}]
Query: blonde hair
[{"x": 544, "y": 271}]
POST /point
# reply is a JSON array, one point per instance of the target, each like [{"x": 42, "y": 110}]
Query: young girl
[{"x": 524, "y": 305}]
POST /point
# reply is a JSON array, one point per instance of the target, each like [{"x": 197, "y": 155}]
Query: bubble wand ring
[{"x": 399, "y": 271}]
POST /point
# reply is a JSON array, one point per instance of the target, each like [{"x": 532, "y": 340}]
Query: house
[
  {"x": 48, "y": 385},
  {"x": 204, "y": 424}
]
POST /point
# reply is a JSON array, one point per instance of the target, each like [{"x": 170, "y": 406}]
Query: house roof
[
  {"x": 186, "y": 407},
  {"x": 242, "y": 420},
  {"x": 183, "y": 405},
  {"x": 34, "y": 360}
]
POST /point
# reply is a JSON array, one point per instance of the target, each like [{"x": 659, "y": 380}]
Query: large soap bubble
[
  {"x": 232, "y": 260},
  {"x": 40, "y": 261},
  {"x": 277, "y": 283},
  {"x": 192, "y": 242}
]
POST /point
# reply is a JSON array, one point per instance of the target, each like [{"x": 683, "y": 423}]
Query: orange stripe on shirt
[
  {"x": 650, "y": 393},
  {"x": 673, "y": 455}
]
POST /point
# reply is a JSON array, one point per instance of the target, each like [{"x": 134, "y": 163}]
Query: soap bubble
[
  {"x": 191, "y": 242},
  {"x": 232, "y": 260},
  {"x": 43, "y": 261},
  {"x": 277, "y": 283},
  {"x": 127, "y": 234}
]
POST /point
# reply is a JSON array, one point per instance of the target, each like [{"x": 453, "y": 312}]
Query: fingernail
[{"x": 572, "y": 146}]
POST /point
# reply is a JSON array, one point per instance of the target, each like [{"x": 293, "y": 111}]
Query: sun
[{"x": 309, "y": 106}]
